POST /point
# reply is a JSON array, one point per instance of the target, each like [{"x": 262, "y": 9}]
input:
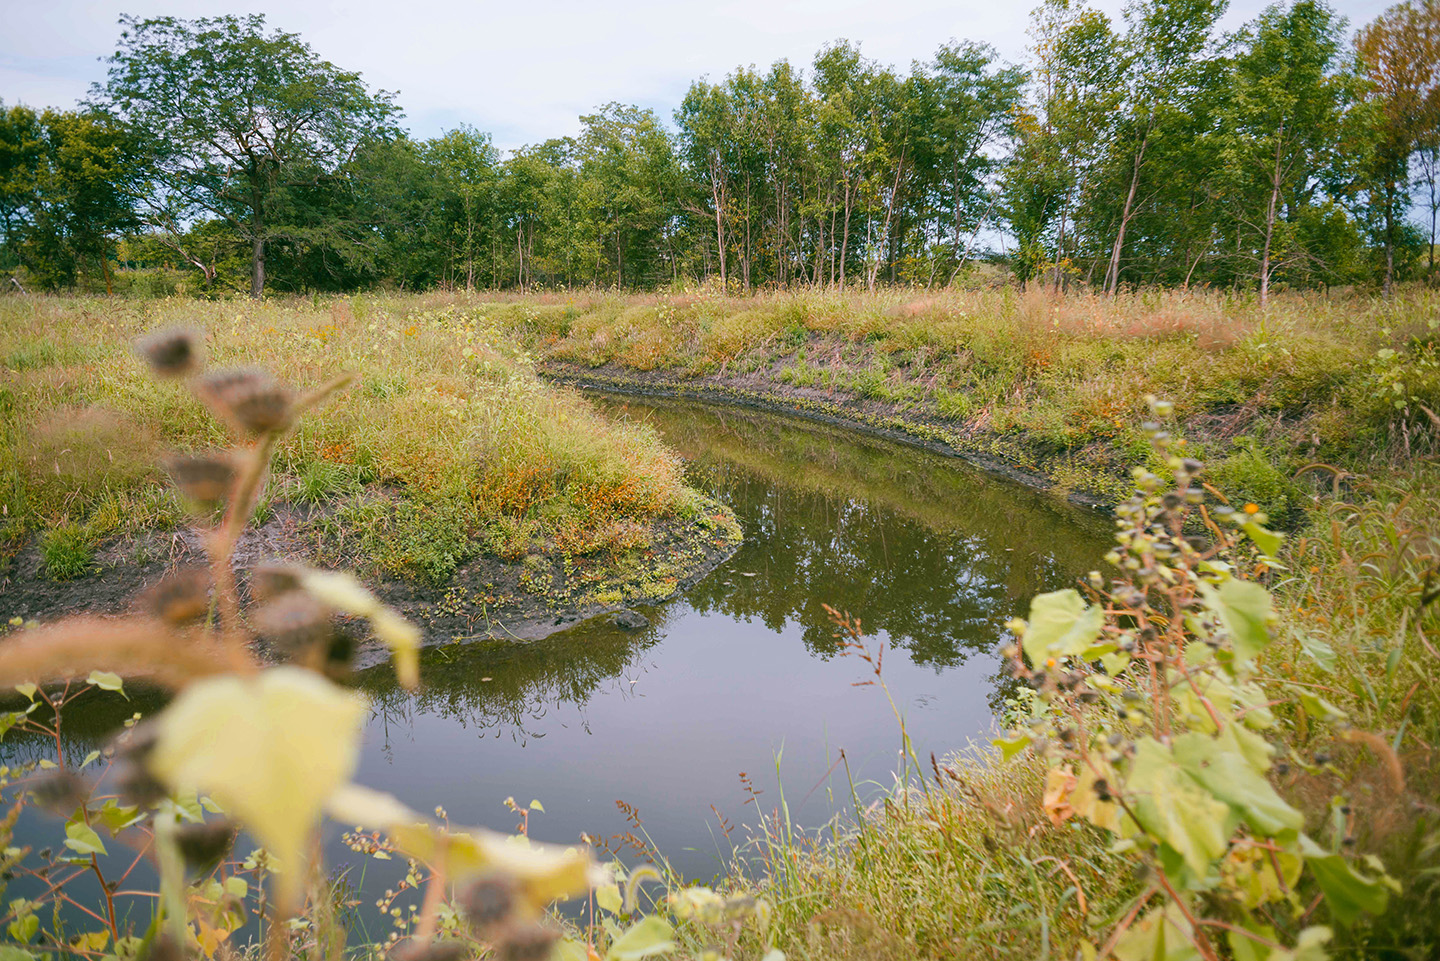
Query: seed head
[
  {"x": 180, "y": 597},
  {"x": 489, "y": 901},
  {"x": 412, "y": 950},
  {"x": 527, "y": 942},
  {"x": 60, "y": 791},
  {"x": 293, "y": 621},
  {"x": 175, "y": 352},
  {"x": 269, "y": 581},
  {"x": 206, "y": 478},
  {"x": 248, "y": 398},
  {"x": 203, "y": 845}
]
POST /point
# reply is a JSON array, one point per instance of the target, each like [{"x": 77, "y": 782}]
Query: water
[
  {"x": 743, "y": 675},
  {"x": 740, "y": 678}
]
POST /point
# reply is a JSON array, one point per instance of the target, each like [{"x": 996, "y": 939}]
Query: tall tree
[
  {"x": 1281, "y": 120},
  {"x": 237, "y": 121}
]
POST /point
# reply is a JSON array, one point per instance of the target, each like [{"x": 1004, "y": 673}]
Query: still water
[
  {"x": 739, "y": 678},
  {"x": 742, "y": 675}
]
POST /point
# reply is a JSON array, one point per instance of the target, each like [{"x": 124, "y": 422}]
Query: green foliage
[{"x": 67, "y": 551}]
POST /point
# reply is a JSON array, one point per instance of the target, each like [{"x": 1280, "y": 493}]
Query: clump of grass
[
  {"x": 448, "y": 418},
  {"x": 66, "y": 551}
]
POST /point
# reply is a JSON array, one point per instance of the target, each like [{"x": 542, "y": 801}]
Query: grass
[
  {"x": 445, "y": 445},
  {"x": 969, "y": 866},
  {"x": 1054, "y": 384}
]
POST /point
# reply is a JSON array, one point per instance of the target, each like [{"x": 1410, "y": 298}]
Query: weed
[{"x": 67, "y": 550}]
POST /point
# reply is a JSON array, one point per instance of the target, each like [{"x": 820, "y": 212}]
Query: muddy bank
[
  {"x": 486, "y": 599},
  {"x": 984, "y": 450}
]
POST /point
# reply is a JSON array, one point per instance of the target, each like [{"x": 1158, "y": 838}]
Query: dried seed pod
[
  {"x": 339, "y": 655},
  {"x": 133, "y": 780},
  {"x": 412, "y": 950},
  {"x": 180, "y": 597},
  {"x": 60, "y": 791},
  {"x": 489, "y": 901},
  {"x": 206, "y": 478},
  {"x": 248, "y": 398},
  {"x": 164, "y": 948},
  {"x": 526, "y": 942},
  {"x": 174, "y": 352},
  {"x": 269, "y": 581},
  {"x": 204, "y": 845},
  {"x": 293, "y": 622}
]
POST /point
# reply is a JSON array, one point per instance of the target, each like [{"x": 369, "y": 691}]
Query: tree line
[{"x": 1151, "y": 150}]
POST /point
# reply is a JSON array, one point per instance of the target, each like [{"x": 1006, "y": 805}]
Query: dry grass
[{"x": 444, "y": 412}]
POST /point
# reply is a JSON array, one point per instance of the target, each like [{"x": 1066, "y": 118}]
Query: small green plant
[
  {"x": 66, "y": 551},
  {"x": 1148, "y": 706}
]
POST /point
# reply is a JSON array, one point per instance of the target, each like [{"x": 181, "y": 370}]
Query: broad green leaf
[
  {"x": 82, "y": 838},
  {"x": 237, "y": 886},
  {"x": 106, "y": 681},
  {"x": 608, "y": 897},
  {"x": 1348, "y": 893},
  {"x": 1318, "y": 651},
  {"x": 1011, "y": 746},
  {"x": 27, "y": 689},
  {"x": 649, "y": 936},
  {"x": 1245, "y": 609},
  {"x": 1060, "y": 624},
  {"x": 1162, "y": 934},
  {"x": 537, "y": 806},
  {"x": 271, "y": 747},
  {"x": 1317, "y": 706},
  {"x": 89, "y": 759},
  {"x": 1171, "y": 807},
  {"x": 1246, "y": 948},
  {"x": 117, "y": 817},
  {"x": 9, "y": 719},
  {"x": 1267, "y": 540},
  {"x": 571, "y": 950},
  {"x": 22, "y": 929},
  {"x": 1229, "y": 776}
]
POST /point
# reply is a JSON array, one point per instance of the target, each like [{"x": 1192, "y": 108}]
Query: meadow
[{"x": 1314, "y": 417}]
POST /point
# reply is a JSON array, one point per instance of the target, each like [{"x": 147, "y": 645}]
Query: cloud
[{"x": 526, "y": 71}]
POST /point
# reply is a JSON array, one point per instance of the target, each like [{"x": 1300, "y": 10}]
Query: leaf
[
  {"x": 82, "y": 838},
  {"x": 271, "y": 747},
  {"x": 344, "y": 592},
  {"x": 1267, "y": 540},
  {"x": 537, "y": 806},
  {"x": 106, "y": 681},
  {"x": 608, "y": 897},
  {"x": 1059, "y": 782},
  {"x": 1245, "y": 609},
  {"x": 22, "y": 929},
  {"x": 648, "y": 936},
  {"x": 1171, "y": 807},
  {"x": 117, "y": 817},
  {"x": 1060, "y": 625},
  {"x": 1348, "y": 893},
  {"x": 89, "y": 759},
  {"x": 1229, "y": 776},
  {"x": 1011, "y": 746},
  {"x": 546, "y": 872},
  {"x": 1162, "y": 934},
  {"x": 1318, "y": 651},
  {"x": 1317, "y": 706},
  {"x": 27, "y": 689}
]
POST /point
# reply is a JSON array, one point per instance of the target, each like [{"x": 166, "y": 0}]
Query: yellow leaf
[
  {"x": 271, "y": 747},
  {"x": 1059, "y": 782},
  {"x": 344, "y": 592}
]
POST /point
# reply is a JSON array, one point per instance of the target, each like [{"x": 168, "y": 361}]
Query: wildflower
[
  {"x": 1252, "y": 508},
  {"x": 204, "y": 478},
  {"x": 249, "y": 398},
  {"x": 174, "y": 352}
]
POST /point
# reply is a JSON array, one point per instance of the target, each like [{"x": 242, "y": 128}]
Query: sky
[{"x": 526, "y": 70}]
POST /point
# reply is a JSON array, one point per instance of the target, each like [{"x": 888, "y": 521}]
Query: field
[
  {"x": 444, "y": 450},
  {"x": 1318, "y": 414}
]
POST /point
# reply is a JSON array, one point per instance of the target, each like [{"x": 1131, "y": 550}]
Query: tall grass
[{"x": 445, "y": 416}]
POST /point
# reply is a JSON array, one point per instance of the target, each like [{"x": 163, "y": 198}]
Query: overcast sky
[{"x": 524, "y": 70}]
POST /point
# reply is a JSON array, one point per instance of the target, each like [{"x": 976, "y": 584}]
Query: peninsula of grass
[
  {"x": 1048, "y": 387},
  {"x": 490, "y": 501}
]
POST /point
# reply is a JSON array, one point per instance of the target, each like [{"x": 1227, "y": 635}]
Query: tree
[
  {"x": 1282, "y": 117},
  {"x": 1400, "y": 56},
  {"x": 237, "y": 122}
]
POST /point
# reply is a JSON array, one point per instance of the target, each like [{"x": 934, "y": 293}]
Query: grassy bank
[
  {"x": 1053, "y": 386},
  {"x": 445, "y": 447}
]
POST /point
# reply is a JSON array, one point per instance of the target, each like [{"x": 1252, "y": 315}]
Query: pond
[
  {"x": 738, "y": 689},
  {"x": 742, "y": 677}
]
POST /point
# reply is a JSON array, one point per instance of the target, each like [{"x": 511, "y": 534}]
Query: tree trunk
[
  {"x": 257, "y": 244},
  {"x": 1112, "y": 275}
]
